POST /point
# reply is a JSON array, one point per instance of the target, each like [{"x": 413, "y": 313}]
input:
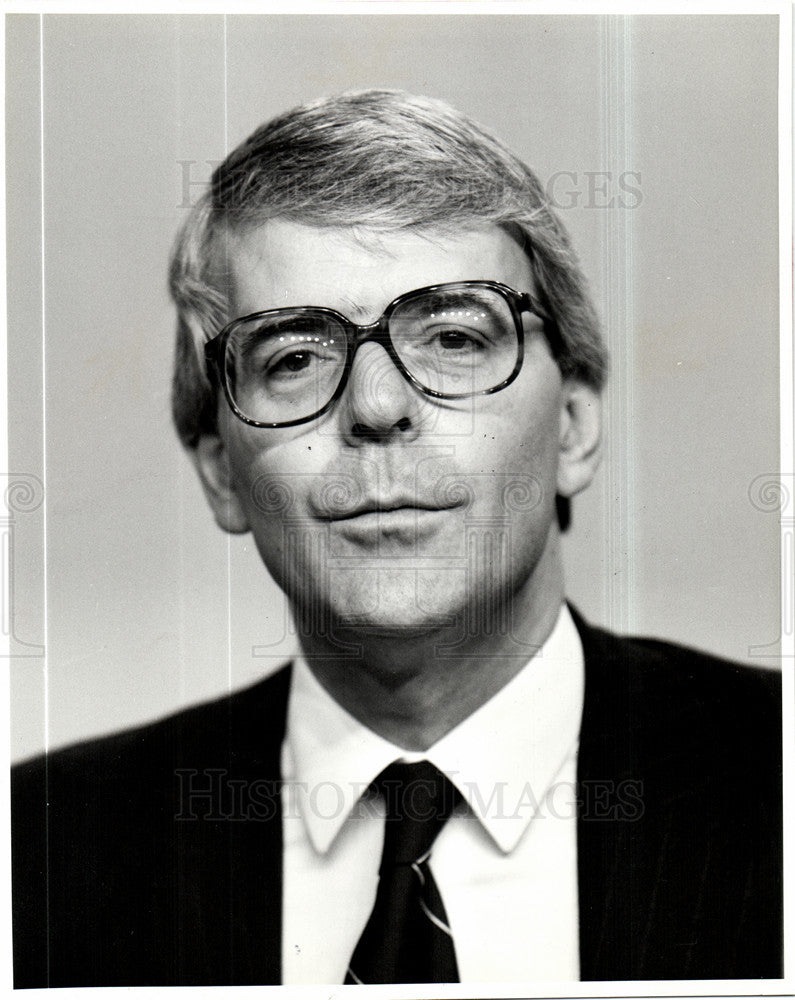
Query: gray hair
[{"x": 382, "y": 160}]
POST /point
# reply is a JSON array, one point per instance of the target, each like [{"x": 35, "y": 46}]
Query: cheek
[
  {"x": 535, "y": 442},
  {"x": 514, "y": 448},
  {"x": 273, "y": 472},
  {"x": 533, "y": 427}
]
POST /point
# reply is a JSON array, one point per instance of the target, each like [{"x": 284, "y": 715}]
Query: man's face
[{"x": 394, "y": 510}]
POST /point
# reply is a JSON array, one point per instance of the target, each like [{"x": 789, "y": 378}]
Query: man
[{"x": 388, "y": 371}]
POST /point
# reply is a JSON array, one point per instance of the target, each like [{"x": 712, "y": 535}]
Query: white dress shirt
[{"x": 505, "y": 865}]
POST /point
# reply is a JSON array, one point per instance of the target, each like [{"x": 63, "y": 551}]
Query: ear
[
  {"x": 580, "y": 437},
  {"x": 213, "y": 466}
]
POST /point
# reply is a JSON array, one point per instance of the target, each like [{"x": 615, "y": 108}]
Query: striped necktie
[{"x": 407, "y": 938}]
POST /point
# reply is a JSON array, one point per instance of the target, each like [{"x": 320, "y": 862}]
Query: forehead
[{"x": 359, "y": 271}]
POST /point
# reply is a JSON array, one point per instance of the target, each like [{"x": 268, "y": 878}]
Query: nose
[{"x": 378, "y": 403}]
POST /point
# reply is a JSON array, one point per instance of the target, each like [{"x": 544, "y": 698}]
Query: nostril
[
  {"x": 364, "y": 432},
  {"x": 367, "y": 433}
]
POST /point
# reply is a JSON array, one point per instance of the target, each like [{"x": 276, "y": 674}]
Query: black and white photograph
[{"x": 398, "y": 506}]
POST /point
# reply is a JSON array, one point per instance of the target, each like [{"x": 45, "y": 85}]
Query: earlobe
[
  {"x": 580, "y": 437},
  {"x": 212, "y": 464}
]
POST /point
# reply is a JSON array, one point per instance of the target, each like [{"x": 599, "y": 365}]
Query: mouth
[
  {"x": 388, "y": 509},
  {"x": 399, "y": 523}
]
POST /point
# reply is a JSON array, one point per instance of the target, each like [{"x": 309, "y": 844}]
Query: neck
[{"x": 412, "y": 688}]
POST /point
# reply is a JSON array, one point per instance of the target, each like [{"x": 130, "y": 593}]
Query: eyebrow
[
  {"x": 468, "y": 298},
  {"x": 442, "y": 298},
  {"x": 463, "y": 297},
  {"x": 247, "y": 347}
]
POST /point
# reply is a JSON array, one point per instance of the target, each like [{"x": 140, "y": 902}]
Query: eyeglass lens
[{"x": 288, "y": 364}]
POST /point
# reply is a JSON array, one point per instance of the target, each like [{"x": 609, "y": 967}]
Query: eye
[
  {"x": 292, "y": 363},
  {"x": 456, "y": 339}
]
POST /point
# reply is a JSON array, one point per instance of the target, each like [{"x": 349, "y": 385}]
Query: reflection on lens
[
  {"x": 284, "y": 366},
  {"x": 456, "y": 342}
]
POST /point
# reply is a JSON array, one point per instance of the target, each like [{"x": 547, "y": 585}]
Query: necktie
[{"x": 407, "y": 938}]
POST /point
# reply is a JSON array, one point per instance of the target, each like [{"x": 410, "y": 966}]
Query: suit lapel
[
  {"x": 231, "y": 869},
  {"x": 611, "y": 928},
  {"x": 642, "y": 847},
  {"x": 598, "y": 857},
  {"x": 257, "y": 732}
]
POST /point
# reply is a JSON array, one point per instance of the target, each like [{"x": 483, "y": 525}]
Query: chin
[{"x": 390, "y": 603}]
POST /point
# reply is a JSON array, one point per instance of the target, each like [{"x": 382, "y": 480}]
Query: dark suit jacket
[{"x": 125, "y": 873}]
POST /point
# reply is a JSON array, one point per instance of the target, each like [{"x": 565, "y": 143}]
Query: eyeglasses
[{"x": 284, "y": 367}]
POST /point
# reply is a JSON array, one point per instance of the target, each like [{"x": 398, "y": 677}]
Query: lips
[
  {"x": 386, "y": 506},
  {"x": 342, "y": 492}
]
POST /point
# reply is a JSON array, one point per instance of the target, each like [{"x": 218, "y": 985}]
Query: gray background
[{"x": 148, "y": 605}]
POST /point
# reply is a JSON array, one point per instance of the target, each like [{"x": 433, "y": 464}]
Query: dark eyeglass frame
[{"x": 378, "y": 333}]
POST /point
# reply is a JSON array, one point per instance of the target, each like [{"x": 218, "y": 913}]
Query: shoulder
[
  {"x": 685, "y": 750},
  {"x": 123, "y": 847},
  {"x": 685, "y": 703},
  {"x": 672, "y": 671},
  {"x": 140, "y": 763}
]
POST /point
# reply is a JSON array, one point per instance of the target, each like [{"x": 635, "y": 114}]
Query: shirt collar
[{"x": 503, "y": 758}]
